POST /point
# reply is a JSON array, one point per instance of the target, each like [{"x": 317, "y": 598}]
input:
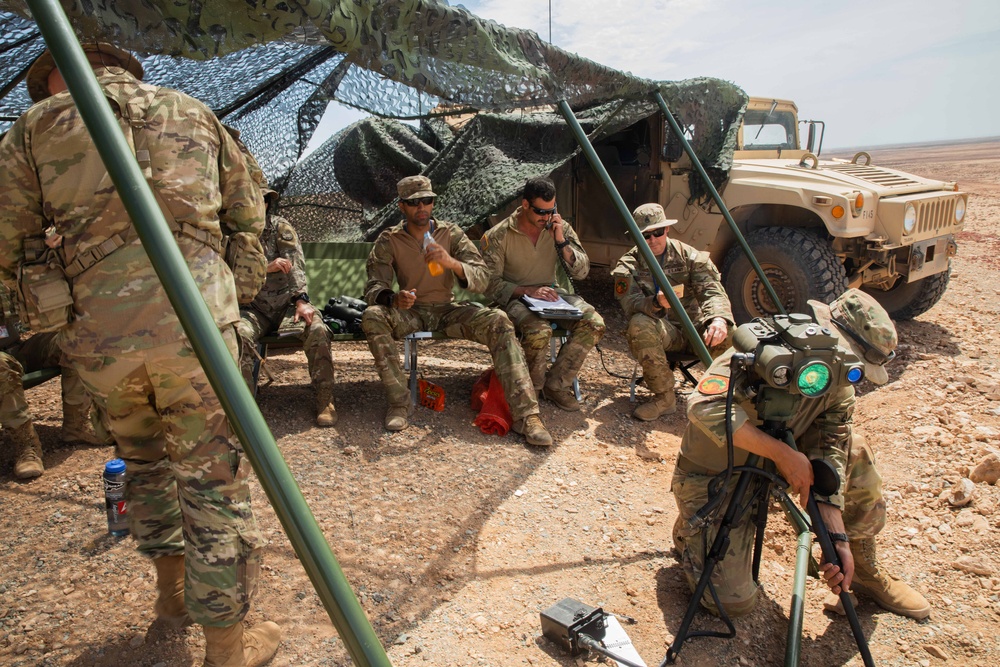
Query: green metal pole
[
  {"x": 307, "y": 539},
  {"x": 647, "y": 255},
  {"x": 676, "y": 129}
]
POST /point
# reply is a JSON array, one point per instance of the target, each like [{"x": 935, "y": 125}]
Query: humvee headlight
[
  {"x": 837, "y": 211},
  {"x": 814, "y": 379},
  {"x": 909, "y": 219},
  {"x": 960, "y": 210}
]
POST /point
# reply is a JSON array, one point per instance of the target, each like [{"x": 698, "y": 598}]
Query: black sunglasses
[
  {"x": 655, "y": 233},
  {"x": 426, "y": 201},
  {"x": 543, "y": 211},
  {"x": 872, "y": 355}
]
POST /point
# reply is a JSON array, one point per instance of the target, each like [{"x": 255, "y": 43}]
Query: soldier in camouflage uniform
[
  {"x": 283, "y": 302},
  {"x": 522, "y": 254},
  {"x": 822, "y": 429},
  {"x": 18, "y": 357},
  {"x": 653, "y": 328},
  {"x": 187, "y": 484},
  {"x": 425, "y": 303}
]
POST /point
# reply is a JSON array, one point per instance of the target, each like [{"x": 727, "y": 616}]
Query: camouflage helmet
[
  {"x": 650, "y": 217},
  {"x": 37, "y": 79},
  {"x": 865, "y": 326}
]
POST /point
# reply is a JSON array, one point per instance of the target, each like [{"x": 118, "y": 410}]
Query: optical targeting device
[
  {"x": 796, "y": 355},
  {"x": 343, "y": 314}
]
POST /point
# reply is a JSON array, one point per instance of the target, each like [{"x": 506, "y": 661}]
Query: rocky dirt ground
[{"x": 454, "y": 540}]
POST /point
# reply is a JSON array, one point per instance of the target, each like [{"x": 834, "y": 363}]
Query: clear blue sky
[{"x": 877, "y": 71}]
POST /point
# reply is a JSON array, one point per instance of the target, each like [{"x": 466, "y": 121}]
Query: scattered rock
[
  {"x": 959, "y": 495},
  {"x": 987, "y": 470},
  {"x": 972, "y": 565},
  {"x": 937, "y": 651}
]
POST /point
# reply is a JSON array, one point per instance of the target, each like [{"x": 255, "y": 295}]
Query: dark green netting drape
[{"x": 270, "y": 68}]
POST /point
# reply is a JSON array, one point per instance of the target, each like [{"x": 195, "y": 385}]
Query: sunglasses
[
  {"x": 543, "y": 211},
  {"x": 657, "y": 233},
  {"x": 426, "y": 201},
  {"x": 872, "y": 355}
]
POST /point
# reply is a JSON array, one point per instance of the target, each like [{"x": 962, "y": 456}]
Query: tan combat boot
[
  {"x": 533, "y": 430},
  {"x": 888, "y": 592},
  {"x": 29, "y": 451},
  {"x": 77, "y": 426},
  {"x": 169, "y": 605},
  {"x": 661, "y": 404},
  {"x": 232, "y": 646},
  {"x": 396, "y": 418},
  {"x": 326, "y": 413},
  {"x": 564, "y": 398}
]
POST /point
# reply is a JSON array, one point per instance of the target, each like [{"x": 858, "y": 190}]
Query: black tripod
[{"x": 755, "y": 486}]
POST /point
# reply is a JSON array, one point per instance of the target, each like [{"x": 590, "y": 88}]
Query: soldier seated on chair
[
  {"x": 426, "y": 257},
  {"x": 522, "y": 254},
  {"x": 653, "y": 328},
  {"x": 284, "y": 301}
]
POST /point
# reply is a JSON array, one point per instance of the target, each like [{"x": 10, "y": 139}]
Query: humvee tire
[
  {"x": 798, "y": 263},
  {"x": 907, "y": 300}
]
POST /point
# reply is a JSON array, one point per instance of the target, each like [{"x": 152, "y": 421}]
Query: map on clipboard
[{"x": 560, "y": 309}]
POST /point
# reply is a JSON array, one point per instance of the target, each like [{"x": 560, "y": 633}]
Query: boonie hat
[
  {"x": 413, "y": 187},
  {"x": 863, "y": 324},
  {"x": 650, "y": 217},
  {"x": 37, "y": 79}
]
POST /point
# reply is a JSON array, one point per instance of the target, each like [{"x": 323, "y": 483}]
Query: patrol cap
[
  {"x": 413, "y": 187},
  {"x": 37, "y": 79},
  {"x": 650, "y": 217},
  {"x": 864, "y": 325}
]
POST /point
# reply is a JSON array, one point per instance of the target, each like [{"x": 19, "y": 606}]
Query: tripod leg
[{"x": 760, "y": 521}]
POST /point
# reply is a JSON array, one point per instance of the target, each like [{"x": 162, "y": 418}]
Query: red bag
[{"x": 488, "y": 398}]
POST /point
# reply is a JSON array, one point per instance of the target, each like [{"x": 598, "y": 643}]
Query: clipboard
[{"x": 560, "y": 309}]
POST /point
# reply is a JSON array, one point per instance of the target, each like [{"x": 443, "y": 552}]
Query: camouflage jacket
[
  {"x": 514, "y": 261},
  {"x": 821, "y": 426},
  {"x": 280, "y": 240},
  {"x": 703, "y": 298},
  {"x": 51, "y": 174},
  {"x": 397, "y": 256},
  {"x": 10, "y": 325}
]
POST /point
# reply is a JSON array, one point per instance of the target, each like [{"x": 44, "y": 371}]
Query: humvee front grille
[
  {"x": 935, "y": 214},
  {"x": 874, "y": 175}
]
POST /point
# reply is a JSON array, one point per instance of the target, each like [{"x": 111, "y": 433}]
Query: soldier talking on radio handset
[{"x": 822, "y": 428}]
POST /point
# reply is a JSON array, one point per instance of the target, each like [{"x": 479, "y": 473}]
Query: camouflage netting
[{"x": 270, "y": 69}]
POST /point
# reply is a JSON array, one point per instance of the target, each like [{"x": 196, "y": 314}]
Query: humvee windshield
[{"x": 763, "y": 132}]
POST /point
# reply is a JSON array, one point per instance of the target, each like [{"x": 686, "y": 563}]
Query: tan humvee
[{"x": 816, "y": 226}]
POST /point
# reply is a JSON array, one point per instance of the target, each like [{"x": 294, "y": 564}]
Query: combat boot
[
  {"x": 890, "y": 593},
  {"x": 29, "y": 451},
  {"x": 77, "y": 426},
  {"x": 232, "y": 646},
  {"x": 661, "y": 404},
  {"x": 326, "y": 413},
  {"x": 564, "y": 398},
  {"x": 169, "y": 605},
  {"x": 396, "y": 418},
  {"x": 533, "y": 430}
]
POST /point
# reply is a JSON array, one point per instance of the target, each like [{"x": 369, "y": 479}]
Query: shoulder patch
[
  {"x": 484, "y": 243},
  {"x": 712, "y": 385},
  {"x": 621, "y": 286}
]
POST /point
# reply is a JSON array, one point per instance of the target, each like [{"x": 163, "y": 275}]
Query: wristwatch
[
  {"x": 562, "y": 245},
  {"x": 301, "y": 297},
  {"x": 839, "y": 537}
]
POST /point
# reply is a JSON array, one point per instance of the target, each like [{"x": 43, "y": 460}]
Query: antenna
[{"x": 550, "y": 21}]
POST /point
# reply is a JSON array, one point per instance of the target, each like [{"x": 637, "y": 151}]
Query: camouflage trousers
[
  {"x": 864, "y": 516},
  {"x": 488, "y": 326},
  {"x": 38, "y": 352},
  {"x": 254, "y": 325},
  {"x": 536, "y": 334},
  {"x": 650, "y": 338},
  {"x": 186, "y": 482}
]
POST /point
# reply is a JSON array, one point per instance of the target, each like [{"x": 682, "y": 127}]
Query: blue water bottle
[{"x": 114, "y": 497}]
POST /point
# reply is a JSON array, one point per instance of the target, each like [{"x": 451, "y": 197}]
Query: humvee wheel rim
[{"x": 755, "y": 295}]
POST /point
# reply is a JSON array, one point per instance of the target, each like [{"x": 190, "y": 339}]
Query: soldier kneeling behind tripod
[{"x": 821, "y": 427}]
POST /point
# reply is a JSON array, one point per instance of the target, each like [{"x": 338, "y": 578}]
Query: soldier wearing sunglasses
[
  {"x": 424, "y": 302},
  {"x": 522, "y": 254},
  {"x": 653, "y": 328}
]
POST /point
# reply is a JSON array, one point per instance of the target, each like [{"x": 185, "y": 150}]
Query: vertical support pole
[
  {"x": 676, "y": 129},
  {"x": 305, "y": 535},
  {"x": 647, "y": 255}
]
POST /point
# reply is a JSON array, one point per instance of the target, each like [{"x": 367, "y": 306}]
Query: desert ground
[{"x": 454, "y": 541}]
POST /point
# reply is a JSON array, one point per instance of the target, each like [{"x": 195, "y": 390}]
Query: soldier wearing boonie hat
[
  {"x": 100, "y": 53},
  {"x": 822, "y": 428},
  {"x": 653, "y": 327}
]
